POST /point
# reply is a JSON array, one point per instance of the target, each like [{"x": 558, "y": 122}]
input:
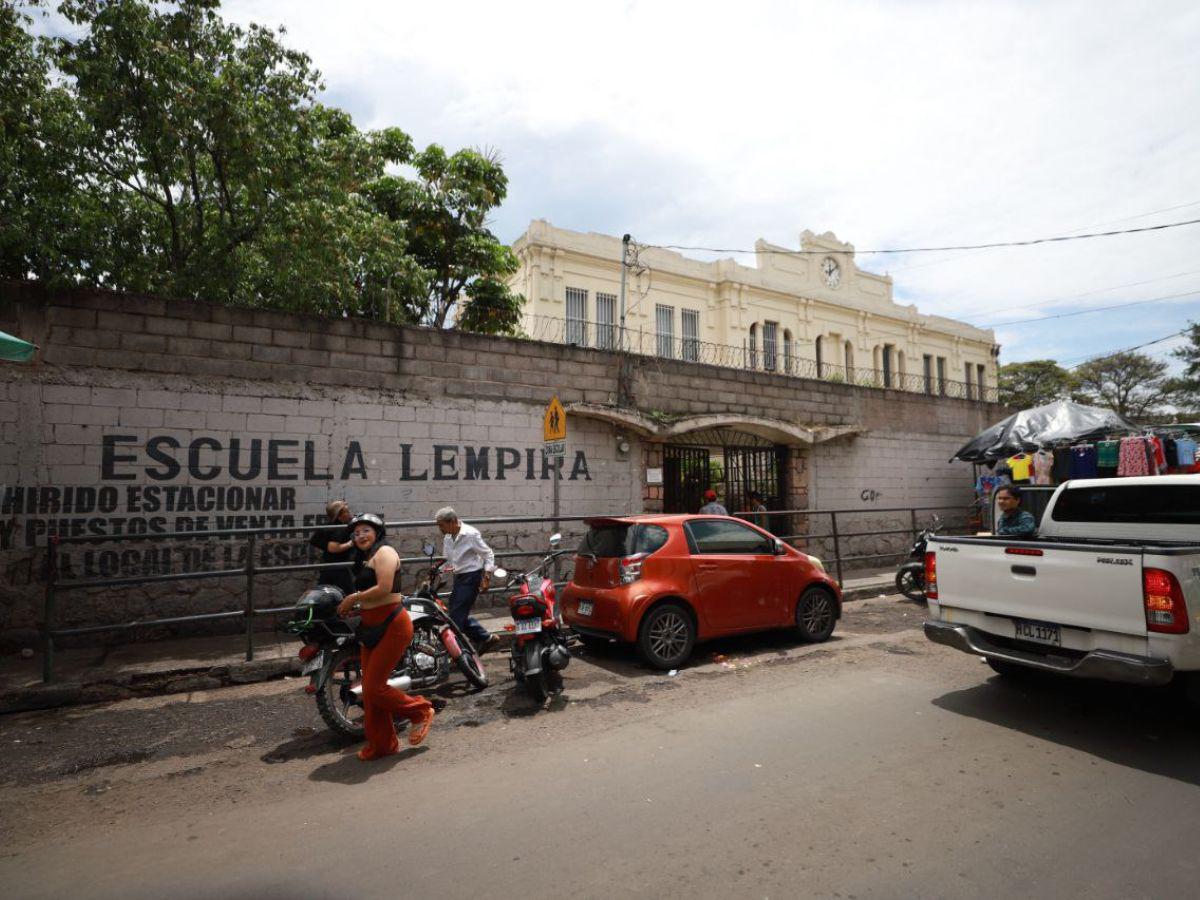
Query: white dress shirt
[{"x": 467, "y": 552}]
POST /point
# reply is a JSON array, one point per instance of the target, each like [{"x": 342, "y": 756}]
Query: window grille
[
  {"x": 770, "y": 338},
  {"x": 606, "y": 318},
  {"x": 664, "y": 318},
  {"x": 691, "y": 335},
  {"x": 576, "y": 317}
]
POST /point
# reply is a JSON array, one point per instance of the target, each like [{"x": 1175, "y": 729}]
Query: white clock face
[{"x": 831, "y": 271}]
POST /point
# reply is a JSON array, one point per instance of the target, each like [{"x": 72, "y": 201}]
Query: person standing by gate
[
  {"x": 758, "y": 510},
  {"x": 711, "y": 507},
  {"x": 471, "y": 561}
]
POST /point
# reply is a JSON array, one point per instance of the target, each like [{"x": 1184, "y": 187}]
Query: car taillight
[
  {"x": 631, "y": 568},
  {"x": 931, "y": 592},
  {"x": 1166, "y": 611},
  {"x": 308, "y": 651}
]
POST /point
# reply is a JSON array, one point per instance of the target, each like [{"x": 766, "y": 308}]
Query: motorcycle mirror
[
  {"x": 500, "y": 574},
  {"x": 427, "y": 548},
  {"x": 555, "y": 539}
]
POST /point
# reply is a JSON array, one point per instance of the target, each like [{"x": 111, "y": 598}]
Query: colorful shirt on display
[
  {"x": 1185, "y": 452},
  {"x": 1021, "y": 464},
  {"x": 1083, "y": 461},
  {"x": 1108, "y": 454},
  {"x": 1043, "y": 467},
  {"x": 1134, "y": 460}
]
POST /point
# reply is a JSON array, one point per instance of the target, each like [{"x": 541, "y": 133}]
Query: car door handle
[
  {"x": 704, "y": 566},
  {"x": 1024, "y": 570}
]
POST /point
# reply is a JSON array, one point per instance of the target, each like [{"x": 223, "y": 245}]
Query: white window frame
[
  {"x": 664, "y": 328},
  {"x": 577, "y": 320},
  {"x": 690, "y": 330},
  {"x": 606, "y": 321}
]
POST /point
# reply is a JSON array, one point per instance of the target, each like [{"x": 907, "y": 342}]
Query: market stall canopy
[
  {"x": 15, "y": 349},
  {"x": 1041, "y": 426}
]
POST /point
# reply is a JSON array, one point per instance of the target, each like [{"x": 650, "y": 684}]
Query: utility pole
[{"x": 624, "y": 370}]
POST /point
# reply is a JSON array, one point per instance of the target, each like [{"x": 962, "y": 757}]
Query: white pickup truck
[{"x": 1102, "y": 591}]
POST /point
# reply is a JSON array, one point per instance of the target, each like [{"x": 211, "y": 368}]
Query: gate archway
[{"x": 731, "y": 462}]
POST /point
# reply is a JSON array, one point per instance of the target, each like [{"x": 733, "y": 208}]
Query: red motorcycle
[{"x": 539, "y": 647}]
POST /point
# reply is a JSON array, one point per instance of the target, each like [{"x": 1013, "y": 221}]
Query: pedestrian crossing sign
[{"x": 554, "y": 422}]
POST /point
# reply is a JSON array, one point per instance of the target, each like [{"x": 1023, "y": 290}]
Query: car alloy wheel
[
  {"x": 667, "y": 636},
  {"x": 815, "y": 615}
]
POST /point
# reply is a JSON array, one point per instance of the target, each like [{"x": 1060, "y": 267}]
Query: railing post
[
  {"x": 251, "y": 548},
  {"x": 837, "y": 547},
  {"x": 48, "y": 613}
]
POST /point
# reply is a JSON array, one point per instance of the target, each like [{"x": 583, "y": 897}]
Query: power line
[
  {"x": 1083, "y": 360},
  {"x": 1025, "y": 243},
  {"x": 1084, "y": 312}
]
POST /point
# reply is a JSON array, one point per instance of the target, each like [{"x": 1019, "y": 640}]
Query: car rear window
[
  {"x": 623, "y": 540},
  {"x": 1150, "y": 503}
]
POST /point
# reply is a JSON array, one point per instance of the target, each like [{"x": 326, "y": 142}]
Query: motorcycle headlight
[{"x": 816, "y": 561}]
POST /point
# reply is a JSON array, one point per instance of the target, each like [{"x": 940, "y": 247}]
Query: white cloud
[{"x": 893, "y": 124}]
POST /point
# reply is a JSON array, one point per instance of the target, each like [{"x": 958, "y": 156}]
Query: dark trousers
[{"x": 462, "y": 598}]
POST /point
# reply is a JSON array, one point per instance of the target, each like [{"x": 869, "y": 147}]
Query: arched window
[
  {"x": 789, "y": 364},
  {"x": 820, "y": 356},
  {"x": 752, "y": 360},
  {"x": 849, "y": 361}
]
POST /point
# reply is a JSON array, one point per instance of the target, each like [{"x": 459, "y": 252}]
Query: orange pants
[{"x": 382, "y": 703}]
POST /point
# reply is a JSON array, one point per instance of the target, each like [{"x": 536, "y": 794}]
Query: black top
[
  {"x": 364, "y": 579},
  {"x": 337, "y": 577}
]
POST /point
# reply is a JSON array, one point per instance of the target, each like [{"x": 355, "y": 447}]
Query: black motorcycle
[
  {"x": 910, "y": 579},
  {"x": 539, "y": 647},
  {"x": 331, "y": 651}
]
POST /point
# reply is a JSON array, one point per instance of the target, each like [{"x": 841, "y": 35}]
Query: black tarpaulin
[{"x": 1041, "y": 426}]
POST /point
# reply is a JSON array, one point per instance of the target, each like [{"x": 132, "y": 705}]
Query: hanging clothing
[
  {"x": 1185, "y": 452},
  {"x": 1062, "y": 465},
  {"x": 1083, "y": 461},
  {"x": 1133, "y": 459},
  {"x": 1108, "y": 454},
  {"x": 1021, "y": 466},
  {"x": 1170, "y": 450},
  {"x": 1160, "y": 456},
  {"x": 1043, "y": 467}
]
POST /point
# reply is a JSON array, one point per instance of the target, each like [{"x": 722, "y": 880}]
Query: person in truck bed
[{"x": 1013, "y": 521}]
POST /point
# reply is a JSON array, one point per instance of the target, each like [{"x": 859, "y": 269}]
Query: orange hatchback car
[{"x": 665, "y": 582}]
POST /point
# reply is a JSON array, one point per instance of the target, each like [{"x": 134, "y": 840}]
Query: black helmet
[{"x": 370, "y": 519}]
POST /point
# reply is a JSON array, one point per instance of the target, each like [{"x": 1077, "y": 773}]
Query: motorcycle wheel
[
  {"x": 472, "y": 669},
  {"x": 338, "y": 707},
  {"x": 910, "y": 584},
  {"x": 538, "y": 687}
]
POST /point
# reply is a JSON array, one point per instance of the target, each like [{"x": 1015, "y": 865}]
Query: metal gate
[
  {"x": 685, "y": 478},
  {"x": 756, "y": 469}
]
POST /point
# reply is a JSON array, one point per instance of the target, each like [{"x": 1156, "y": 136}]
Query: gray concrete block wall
[{"x": 180, "y": 382}]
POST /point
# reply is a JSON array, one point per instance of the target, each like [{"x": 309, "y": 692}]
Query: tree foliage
[
  {"x": 1034, "y": 383},
  {"x": 161, "y": 149},
  {"x": 1131, "y": 384},
  {"x": 1188, "y": 383}
]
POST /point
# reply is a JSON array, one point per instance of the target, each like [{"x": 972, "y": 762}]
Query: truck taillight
[
  {"x": 631, "y": 568},
  {"x": 1166, "y": 612},
  {"x": 931, "y": 576}
]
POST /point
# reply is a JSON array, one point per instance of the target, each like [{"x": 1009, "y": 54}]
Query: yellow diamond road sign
[{"x": 554, "y": 423}]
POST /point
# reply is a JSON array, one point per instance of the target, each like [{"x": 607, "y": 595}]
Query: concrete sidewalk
[{"x": 99, "y": 674}]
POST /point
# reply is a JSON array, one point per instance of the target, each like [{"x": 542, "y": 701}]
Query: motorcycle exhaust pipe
[{"x": 400, "y": 683}]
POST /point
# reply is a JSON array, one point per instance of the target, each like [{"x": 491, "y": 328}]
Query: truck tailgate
[{"x": 1085, "y": 587}]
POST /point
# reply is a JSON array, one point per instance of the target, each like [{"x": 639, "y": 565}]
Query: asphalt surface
[{"x": 876, "y": 765}]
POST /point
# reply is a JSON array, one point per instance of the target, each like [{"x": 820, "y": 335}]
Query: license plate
[
  {"x": 313, "y": 664},
  {"x": 585, "y": 607},
  {"x": 528, "y": 626},
  {"x": 1039, "y": 632}
]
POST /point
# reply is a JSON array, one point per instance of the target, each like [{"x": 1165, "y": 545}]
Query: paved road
[{"x": 877, "y": 765}]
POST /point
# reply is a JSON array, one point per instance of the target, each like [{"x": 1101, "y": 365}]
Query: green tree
[
  {"x": 1188, "y": 383},
  {"x": 184, "y": 156},
  {"x": 1034, "y": 383},
  {"x": 1131, "y": 384},
  {"x": 445, "y": 211}
]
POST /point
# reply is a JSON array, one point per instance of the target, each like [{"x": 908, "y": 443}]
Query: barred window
[
  {"x": 928, "y": 372},
  {"x": 691, "y": 335},
  {"x": 752, "y": 362},
  {"x": 576, "y": 316},
  {"x": 789, "y": 353},
  {"x": 770, "y": 343},
  {"x": 606, "y": 317},
  {"x": 664, "y": 317}
]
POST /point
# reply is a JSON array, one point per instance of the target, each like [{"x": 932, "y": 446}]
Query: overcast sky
[{"x": 892, "y": 124}]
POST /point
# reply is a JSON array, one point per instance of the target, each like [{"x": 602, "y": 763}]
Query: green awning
[{"x": 15, "y": 349}]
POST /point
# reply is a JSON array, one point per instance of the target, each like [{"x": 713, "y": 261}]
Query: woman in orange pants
[{"x": 376, "y": 583}]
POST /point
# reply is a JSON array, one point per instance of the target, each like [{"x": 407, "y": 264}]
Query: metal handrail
[{"x": 251, "y": 570}]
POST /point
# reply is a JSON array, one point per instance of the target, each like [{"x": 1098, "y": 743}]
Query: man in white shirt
[{"x": 471, "y": 561}]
